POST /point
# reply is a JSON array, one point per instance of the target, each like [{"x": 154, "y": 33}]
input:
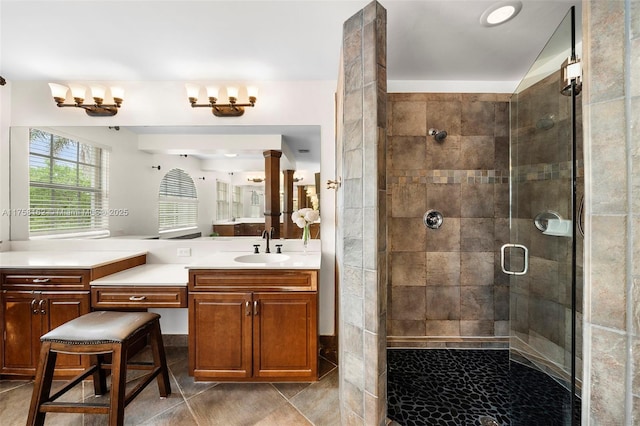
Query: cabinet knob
[
  {"x": 255, "y": 308},
  {"x": 33, "y": 306},
  {"x": 247, "y": 308},
  {"x": 137, "y": 298},
  {"x": 40, "y": 280},
  {"x": 41, "y": 306}
]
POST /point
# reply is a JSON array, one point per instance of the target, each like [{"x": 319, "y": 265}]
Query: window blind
[
  {"x": 238, "y": 205},
  {"x": 177, "y": 202},
  {"x": 222, "y": 201},
  {"x": 68, "y": 185}
]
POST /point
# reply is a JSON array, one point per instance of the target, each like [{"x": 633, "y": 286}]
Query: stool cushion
[{"x": 99, "y": 327}]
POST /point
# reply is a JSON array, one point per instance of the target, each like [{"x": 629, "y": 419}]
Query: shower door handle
[{"x": 526, "y": 259}]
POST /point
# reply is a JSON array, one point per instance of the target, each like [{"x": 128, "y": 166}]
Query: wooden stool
[{"x": 97, "y": 334}]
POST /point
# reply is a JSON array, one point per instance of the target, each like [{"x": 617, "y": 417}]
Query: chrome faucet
[{"x": 266, "y": 235}]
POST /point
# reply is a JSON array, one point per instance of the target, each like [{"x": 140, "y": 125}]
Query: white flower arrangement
[{"x": 304, "y": 217}]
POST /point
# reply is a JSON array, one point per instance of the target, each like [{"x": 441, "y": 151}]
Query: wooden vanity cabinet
[
  {"x": 30, "y": 314},
  {"x": 253, "y": 325},
  {"x": 138, "y": 297},
  {"x": 33, "y": 303},
  {"x": 240, "y": 229},
  {"x": 227, "y": 230}
]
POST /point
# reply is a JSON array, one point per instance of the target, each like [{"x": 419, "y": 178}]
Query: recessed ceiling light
[
  {"x": 500, "y": 13},
  {"x": 231, "y": 155}
]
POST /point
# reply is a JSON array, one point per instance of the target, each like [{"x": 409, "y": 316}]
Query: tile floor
[
  {"x": 198, "y": 403},
  {"x": 453, "y": 387}
]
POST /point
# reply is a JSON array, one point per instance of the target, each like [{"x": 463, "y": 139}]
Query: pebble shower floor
[{"x": 466, "y": 387}]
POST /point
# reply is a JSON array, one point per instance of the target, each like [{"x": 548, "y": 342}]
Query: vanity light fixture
[
  {"x": 255, "y": 179},
  {"x": 232, "y": 109},
  {"x": 297, "y": 179},
  {"x": 500, "y": 13},
  {"x": 97, "y": 109}
]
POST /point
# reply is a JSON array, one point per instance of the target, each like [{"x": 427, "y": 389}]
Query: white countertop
[
  {"x": 63, "y": 259},
  {"x": 174, "y": 274},
  {"x": 226, "y": 260},
  {"x": 150, "y": 274},
  {"x": 156, "y": 274},
  {"x": 240, "y": 220}
]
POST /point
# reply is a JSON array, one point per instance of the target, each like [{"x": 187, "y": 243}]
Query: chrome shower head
[{"x": 438, "y": 135}]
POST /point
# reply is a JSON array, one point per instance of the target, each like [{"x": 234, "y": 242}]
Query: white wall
[
  {"x": 165, "y": 103},
  {"x": 5, "y": 119}
]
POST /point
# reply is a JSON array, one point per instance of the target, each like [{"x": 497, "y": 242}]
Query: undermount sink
[{"x": 261, "y": 258}]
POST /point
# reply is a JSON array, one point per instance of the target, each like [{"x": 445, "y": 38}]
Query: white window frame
[
  {"x": 237, "y": 206},
  {"x": 64, "y": 217},
  {"x": 222, "y": 200}
]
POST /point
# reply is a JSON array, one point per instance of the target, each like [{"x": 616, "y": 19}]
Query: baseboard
[
  {"x": 175, "y": 340},
  {"x": 329, "y": 348},
  {"x": 453, "y": 342},
  {"x": 328, "y": 344}
]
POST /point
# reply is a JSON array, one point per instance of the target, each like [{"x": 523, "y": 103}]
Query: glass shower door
[{"x": 544, "y": 257}]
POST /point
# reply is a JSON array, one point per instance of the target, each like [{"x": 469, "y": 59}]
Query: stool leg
[
  {"x": 160, "y": 360},
  {"x": 99, "y": 376},
  {"x": 42, "y": 384},
  {"x": 118, "y": 385}
]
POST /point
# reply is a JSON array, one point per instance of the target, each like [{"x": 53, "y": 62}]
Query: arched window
[{"x": 177, "y": 202}]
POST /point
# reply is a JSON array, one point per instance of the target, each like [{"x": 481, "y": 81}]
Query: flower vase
[{"x": 305, "y": 237}]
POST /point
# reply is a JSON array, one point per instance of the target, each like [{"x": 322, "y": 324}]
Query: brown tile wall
[
  {"x": 611, "y": 101},
  {"x": 361, "y": 224},
  {"x": 445, "y": 286}
]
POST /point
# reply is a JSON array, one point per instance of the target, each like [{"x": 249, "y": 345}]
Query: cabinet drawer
[
  {"x": 46, "y": 278},
  {"x": 138, "y": 297},
  {"x": 292, "y": 280}
]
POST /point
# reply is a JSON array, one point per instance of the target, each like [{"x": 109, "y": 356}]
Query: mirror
[{"x": 139, "y": 157}]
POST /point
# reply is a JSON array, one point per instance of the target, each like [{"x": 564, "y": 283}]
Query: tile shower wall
[
  {"x": 445, "y": 285},
  {"x": 361, "y": 221},
  {"x": 611, "y": 45}
]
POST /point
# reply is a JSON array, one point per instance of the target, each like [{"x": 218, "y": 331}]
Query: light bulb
[
  {"x": 193, "y": 90},
  {"x": 58, "y": 90},
  {"x": 117, "y": 92},
  {"x": 232, "y": 92},
  {"x": 501, "y": 15},
  {"x": 98, "y": 92},
  {"x": 77, "y": 91},
  {"x": 252, "y": 91},
  {"x": 212, "y": 92}
]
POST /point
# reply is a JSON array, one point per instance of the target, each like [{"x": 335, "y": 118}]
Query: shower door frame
[{"x": 516, "y": 260}]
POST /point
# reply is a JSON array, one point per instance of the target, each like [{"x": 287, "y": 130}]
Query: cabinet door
[
  {"x": 21, "y": 332},
  {"x": 220, "y": 335},
  {"x": 56, "y": 308},
  {"x": 285, "y": 335}
]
